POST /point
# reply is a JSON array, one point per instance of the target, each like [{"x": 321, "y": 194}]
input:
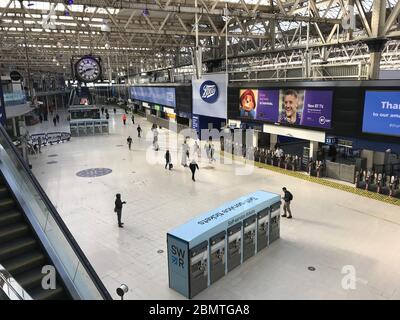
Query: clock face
[{"x": 88, "y": 69}]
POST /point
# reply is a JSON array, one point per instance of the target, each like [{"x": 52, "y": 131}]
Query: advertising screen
[
  {"x": 382, "y": 113},
  {"x": 163, "y": 96},
  {"x": 312, "y": 108},
  {"x": 2, "y": 108}
]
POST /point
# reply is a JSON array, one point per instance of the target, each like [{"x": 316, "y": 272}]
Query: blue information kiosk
[{"x": 205, "y": 248}]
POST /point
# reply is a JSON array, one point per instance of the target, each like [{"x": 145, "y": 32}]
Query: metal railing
[
  {"x": 10, "y": 288},
  {"x": 65, "y": 253}
]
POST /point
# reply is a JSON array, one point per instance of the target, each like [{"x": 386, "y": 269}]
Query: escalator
[
  {"x": 20, "y": 251},
  {"x": 33, "y": 236}
]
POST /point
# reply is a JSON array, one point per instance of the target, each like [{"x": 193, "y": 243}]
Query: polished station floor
[{"x": 332, "y": 231}]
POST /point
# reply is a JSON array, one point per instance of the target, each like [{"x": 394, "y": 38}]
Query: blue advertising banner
[
  {"x": 159, "y": 95},
  {"x": 382, "y": 112},
  {"x": 2, "y": 108},
  {"x": 196, "y": 124}
]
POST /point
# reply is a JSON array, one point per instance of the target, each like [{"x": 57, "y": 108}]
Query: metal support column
[{"x": 377, "y": 27}]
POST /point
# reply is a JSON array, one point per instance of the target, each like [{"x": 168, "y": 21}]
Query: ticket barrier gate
[
  {"x": 263, "y": 230},
  {"x": 217, "y": 256},
  {"x": 198, "y": 268},
  {"x": 249, "y": 237},
  {"x": 234, "y": 254}
]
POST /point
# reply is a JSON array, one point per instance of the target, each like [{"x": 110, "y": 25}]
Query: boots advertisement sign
[
  {"x": 209, "y": 95},
  {"x": 310, "y": 108},
  {"x": 2, "y": 108}
]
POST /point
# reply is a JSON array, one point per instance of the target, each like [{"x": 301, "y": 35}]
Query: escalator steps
[
  {"x": 24, "y": 262},
  {"x": 3, "y": 192},
  {"x": 56, "y": 294},
  {"x": 10, "y": 217},
  {"x": 15, "y": 247},
  {"x": 20, "y": 253},
  {"x": 6, "y": 204},
  {"x": 13, "y": 231}
]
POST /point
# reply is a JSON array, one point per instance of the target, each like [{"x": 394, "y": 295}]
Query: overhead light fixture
[
  {"x": 131, "y": 64},
  {"x": 145, "y": 12},
  {"x": 105, "y": 26}
]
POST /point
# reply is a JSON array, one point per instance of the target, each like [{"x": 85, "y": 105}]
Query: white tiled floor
[{"x": 330, "y": 229}]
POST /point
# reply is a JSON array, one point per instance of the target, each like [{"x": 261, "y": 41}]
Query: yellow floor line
[{"x": 336, "y": 185}]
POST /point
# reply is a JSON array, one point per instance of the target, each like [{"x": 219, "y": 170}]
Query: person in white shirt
[
  {"x": 279, "y": 152},
  {"x": 196, "y": 149},
  {"x": 185, "y": 154}
]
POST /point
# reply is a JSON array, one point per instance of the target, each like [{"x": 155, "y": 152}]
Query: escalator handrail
[
  {"x": 53, "y": 211},
  {"x": 18, "y": 291}
]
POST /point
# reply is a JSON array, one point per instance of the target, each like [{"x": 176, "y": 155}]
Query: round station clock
[{"x": 88, "y": 69}]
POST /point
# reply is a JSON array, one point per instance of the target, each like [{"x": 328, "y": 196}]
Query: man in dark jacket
[
  {"x": 286, "y": 206},
  {"x": 133, "y": 119},
  {"x": 129, "y": 141},
  {"x": 167, "y": 159},
  {"x": 118, "y": 208},
  {"x": 193, "y": 166},
  {"x": 139, "y": 130}
]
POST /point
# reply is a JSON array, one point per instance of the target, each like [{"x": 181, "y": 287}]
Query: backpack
[{"x": 290, "y": 196}]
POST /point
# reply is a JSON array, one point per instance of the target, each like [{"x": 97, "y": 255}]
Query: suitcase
[{"x": 170, "y": 166}]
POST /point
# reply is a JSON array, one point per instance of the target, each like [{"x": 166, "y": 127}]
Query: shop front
[{"x": 165, "y": 104}]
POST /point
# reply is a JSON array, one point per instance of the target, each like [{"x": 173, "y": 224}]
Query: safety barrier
[
  {"x": 81, "y": 127},
  {"x": 328, "y": 183},
  {"x": 49, "y": 138}
]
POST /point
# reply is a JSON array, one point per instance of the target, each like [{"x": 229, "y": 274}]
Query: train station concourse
[{"x": 220, "y": 150}]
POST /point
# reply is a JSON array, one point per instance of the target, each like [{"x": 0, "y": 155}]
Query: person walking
[
  {"x": 139, "y": 130},
  {"x": 207, "y": 148},
  {"x": 196, "y": 150},
  {"x": 55, "y": 121},
  {"x": 40, "y": 144},
  {"x": 193, "y": 166},
  {"x": 185, "y": 154},
  {"x": 155, "y": 139},
  {"x": 118, "y": 209},
  {"x": 115, "y": 111},
  {"x": 102, "y": 110},
  {"x": 124, "y": 118},
  {"x": 167, "y": 160},
  {"x": 129, "y": 141},
  {"x": 212, "y": 152},
  {"x": 58, "y": 118},
  {"x": 133, "y": 119},
  {"x": 40, "y": 118},
  {"x": 287, "y": 198}
]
